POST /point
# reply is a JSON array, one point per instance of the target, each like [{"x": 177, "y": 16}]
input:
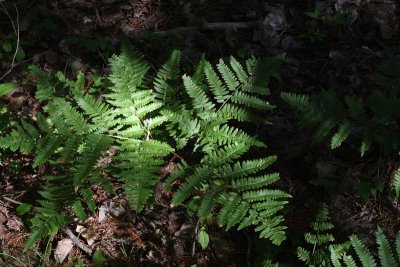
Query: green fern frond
[
  {"x": 244, "y": 99},
  {"x": 199, "y": 99},
  {"x": 397, "y": 245},
  {"x": 94, "y": 146},
  {"x": 240, "y": 73},
  {"x": 226, "y": 154},
  {"x": 231, "y": 111},
  {"x": 220, "y": 92},
  {"x": 208, "y": 201},
  {"x": 342, "y": 134},
  {"x": 385, "y": 252},
  {"x": 45, "y": 224},
  {"x": 168, "y": 72},
  {"x": 363, "y": 253},
  {"x": 46, "y": 147},
  {"x": 254, "y": 182},
  {"x": 70, "y": 116},
  {"x": 396, "y": 183},
  {"x": 18, "y": 139},
  {"x": 299, "y": 102},
  {"x": 303, "y": 254},
  {"x": 320, "y": 239},
  {"x": 128, "y": 70},
  {"x": 79, "y": 210},
  {"x": 228, "y": 76},
  {"x": 200, "y": 174},
  {"x": 245, "y": 168},
  {"x": 137, "y": 168},
  {"x": 265, "y": 194}
]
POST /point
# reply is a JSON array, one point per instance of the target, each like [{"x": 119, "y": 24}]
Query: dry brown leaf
[{"x": 64, "y": 247}]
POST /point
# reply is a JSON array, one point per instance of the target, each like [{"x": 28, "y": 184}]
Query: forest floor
[{"x": 322, "y": 50}]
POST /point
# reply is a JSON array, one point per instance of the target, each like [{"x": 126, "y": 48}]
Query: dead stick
[
  {"x": 206, "y": 26},
  {"x": 77, "y": 241},
  {"x": 12, "y": 200},
  {"x": 16, "y": 30}
]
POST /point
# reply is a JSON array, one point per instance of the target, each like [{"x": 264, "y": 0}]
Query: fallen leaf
[{"x": 64, "y": 247}]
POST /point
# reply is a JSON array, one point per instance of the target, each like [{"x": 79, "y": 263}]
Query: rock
[{"x": 290, "y": 43}]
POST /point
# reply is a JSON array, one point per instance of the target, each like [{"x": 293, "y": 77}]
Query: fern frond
[
  {"x": 95, "y": 145},
  {"x": 242, "y": 98},
  {"x": 342, "y": 134},
  {"x": 187, "y": 189},
  {"x": 228, "y": 76},
  {"x": 396, "y": 183},
  {"x": 128, "y": 70},
  {"x": 298, "y": 102},
  {"x": 265, "y": 194},
  {"x": 385, "y": 252},
  {"x": 164, "y": 92},
  {"x": 137, "y": 168},
  {"x": 245, "y": 168},
  {"x": 397, "y": 245},
  {"x": 18, "y": 139},
  {"x": 363, "y": 253},
  {"x": 199, "y": 99},
  {"x": 70, "y": 116},
  {"x": 240, "y": 73},
  {"x": 303, "y": 254},
  {"x": 46, "y": 147},
  {"x": 254, "y": 182},
  {"x": 220, "y": 92},
  {"x": 231, "y": 111},
  {"x": 229, "y": 203},
  {"x": 79, "y": 210},
  {"x": 207, "y": 202},
  {"x": 226, "y": 154}
]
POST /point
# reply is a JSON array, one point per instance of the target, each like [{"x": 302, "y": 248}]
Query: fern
[
  {"x": 76, "y": 130},
  {"x": 238, "y": 190},
  {"x": 373, "y": 119},
  {"x": 386, "y": 255},
  {"x": 396, "y": 182},
  {"x": 87, "y": 138},
  {"x": 321, "y": 241}
]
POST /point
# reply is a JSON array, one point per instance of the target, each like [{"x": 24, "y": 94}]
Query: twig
[
  {"x": 77, "y": 241},
  {"x": 206, "y": 26},
  {"x": 16, "y": 30},
  {"x": 12, "y": 200},
  {"x": 196, "y": 230}
]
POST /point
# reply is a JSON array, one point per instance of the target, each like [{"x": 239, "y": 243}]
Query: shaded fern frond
[{"x": 396, "y": 182}]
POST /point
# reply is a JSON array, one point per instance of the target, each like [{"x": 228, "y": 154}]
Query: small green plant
[
  {"x": 203, "y": 238},
  {"x": 368, "y": 188},
  {"x": 9, "y": 47},
  {"x": 396, "y": 183},
  {"x": 320, "y": 239},
  {"x": 320, "y": 33}
]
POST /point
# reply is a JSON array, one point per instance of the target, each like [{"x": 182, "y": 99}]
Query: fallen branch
[
  {"x": 12, "y": 200},
  {"x": 77, "y": 241},
  {"x": 16, "y": 30},
  {"x": 205, "y": 26}
]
